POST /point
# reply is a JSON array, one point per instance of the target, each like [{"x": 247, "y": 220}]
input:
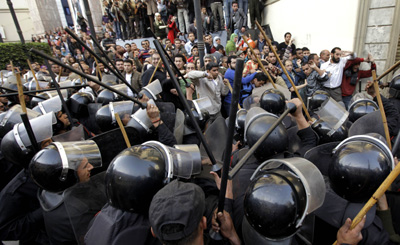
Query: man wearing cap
[{"x": 176, "y": 215}]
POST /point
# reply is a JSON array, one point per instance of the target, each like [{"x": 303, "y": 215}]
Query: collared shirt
[{"x": 336, "y": 71}]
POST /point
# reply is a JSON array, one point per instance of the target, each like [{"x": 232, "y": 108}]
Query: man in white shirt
[
  {"x": 335, "y": 70},
  {"x": 190, "y": 43}
]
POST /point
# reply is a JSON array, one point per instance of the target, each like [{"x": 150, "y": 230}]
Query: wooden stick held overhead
[
  {"x": 98, "y": 69},
  {"x": 379, "y": 99},
  {"x": 154, "y": 72},
  {"x": 284, "y": 70},
  {"x": 121, "y": 126},
  {"x": 12, "y": 67},
  {"x": 375, "y": 197},
  {"x": 389, "y": 70},
  {"x": 34, "y": 75},
  {"x": 259, "y": 62},
  {"x": 21, "y": 95}
]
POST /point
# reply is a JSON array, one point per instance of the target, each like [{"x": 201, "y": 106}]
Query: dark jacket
[
  {"x": 135, "y": 80},
  {"x": 240, "y": 20},
  {"x": 21, "y": 217}
]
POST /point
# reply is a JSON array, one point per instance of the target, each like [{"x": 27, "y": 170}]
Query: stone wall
[{"x": 380, "y": 33}]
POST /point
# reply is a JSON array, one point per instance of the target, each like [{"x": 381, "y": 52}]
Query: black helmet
[
  {"x": 330, "y": 126},
  {"x": 360, "y": 164},
  {"x": 13, "y": 116},
  {"x": 361, "y": 108},
  {"x": 59, "y": 165},
  {"x": 137, "y": 173},
  {"x": 281, "y": 193},
  {"x": 105, "y": 116},
  {"x": 107, "y": 96},
  {"x": 317, "y": 99},
  {"x": 258, "y": 121},
  {"x": 327, "y": 134},
  {"x": 273, "y": 101},
  {"x": 240, "y": 120},
  {"x": 16, "y": 145},
  {"x": 395, "y": 82},
  {"x": 152, "y": 89},
  {"x": 200, "y": 109},
  {"x": 78, "y": 103}
]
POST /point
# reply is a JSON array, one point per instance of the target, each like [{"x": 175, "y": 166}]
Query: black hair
[
  {"x": 220, "y": 47},
  {"x": 180, "y": 56},
  {"x": 334, "y": 49},
  {"x": 287, "y": 34},
  {"x": 211, "y": 65},
  {"x": 117, "y": 60},
  {"x": 128, "y": 61},
  {"x": 261, "y": 77},
  {"x": 311, "y": 56},
  {"x": 299, "y": 49},
  {"x": 235, "y": 2},
  {"x": 230, "y": 58},
  {"x": 305, "y": 49}
]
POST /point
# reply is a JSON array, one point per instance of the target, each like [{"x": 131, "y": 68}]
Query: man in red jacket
[{"x": 352, "y": 75}]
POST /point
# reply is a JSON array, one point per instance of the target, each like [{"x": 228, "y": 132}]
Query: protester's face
[
  {"x": 225, "y": 63},
  {"x": 179, "y": 62},
  {"x": 235, "y": 39},
  {"x": 55, "y": 69},
  {"x": 64, "y": 119},
  {"x": 232, "y": 65},
  {"x": 195, "y": 52},
  {"x": 306, "y": 53},
  {"x": 204, "y": 10},
  {"x": 107, "y": 35},
  {"x": 168, "y": 43},
  {"x": 214, "y": 72},
  {"x": 207, "y": 60},
  {"x": 177, "y": 44},
  {"x": 208, "y": 39},
  {"x": 133, "y": 46},
  {"x": 9, "y": 68},
  {"x": 336, "y": 56},
  {"x": 101, "y": 67},
  {"x": 257, "y": 54},
  {"x": 191, "y": 37},
  {"x": 325, "y": 55},
  {"x": 218, "y": 41},
  {"x": 158, "y": 17},
  {"x": 155, "y": 59},
  {"x": 289, "y": 66},
  {"x": 287, "y": 38},
  {"x": 190, "y": 67},
  {"x": 198, "y": 63},
  {"x": 299, "y": 54},
  {"x": 316, "y": 60},
  {"x": 128, "y": 67},
  {"x": 235, "y": 7},
  {"x": 356, "y": 67},
  {"x": 86, "y": 69},
  {"x": 266, "y": 49},
  {"x": 258, "y": 83},
  {"x": 75, "y": 66},
  {"x": 271, "y": 58},
  {"x": 83, "y": 170},
  {"x": 128, "y": 48},
  {"x": 306, "y": 69},
  {"x": 120, "y": 65}
]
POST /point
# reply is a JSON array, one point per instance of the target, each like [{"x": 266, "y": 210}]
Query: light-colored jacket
[{"x": 206, "y": 87}]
